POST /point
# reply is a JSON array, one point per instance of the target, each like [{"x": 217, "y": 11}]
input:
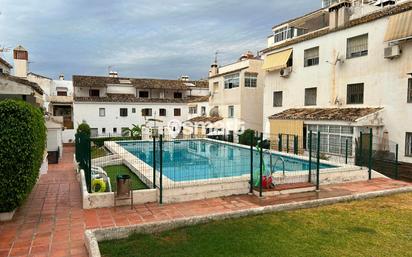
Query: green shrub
[
  {"x": 22, "y": 146},
  {"x": 99, "y": 141},
  {"x": 245, "y": 138},
  {"x": 84, "y": 128}
]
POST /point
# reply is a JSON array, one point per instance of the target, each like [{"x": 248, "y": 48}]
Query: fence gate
[{"x": 83, "y": 156}]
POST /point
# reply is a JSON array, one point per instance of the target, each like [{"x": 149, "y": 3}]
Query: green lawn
[
  {"x": 377, "y": 227},
  {"x": 113, "y": 171}
]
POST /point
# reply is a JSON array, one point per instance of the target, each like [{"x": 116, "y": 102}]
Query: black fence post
[
  {"x": 154, "y": 162},
  {"x": 318, "y": 162},
  {"x": 370, "y": 154},
  {"x": 346, "y": 151},
  {"x": 280, "y": 143},
  {"x": 287, "y": 143},
  {"x": 397, "y": 162},
  {"x": 310, "y": 156},
  {"x": 295, "y": 145},
  {"x": 161, "y": 170},
  {"x": 261, "y": 166},
  {"x": 252, "y": 139},
  {"x": 361, "y": 149}
]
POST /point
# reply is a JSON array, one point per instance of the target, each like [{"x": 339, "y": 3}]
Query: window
[
  {"x": 231, "y": 111},
  {"x": 250, "y": 80},
  {"x": 409, "y": 90},
  {"x": 144, "y": 94},
  {"x": 146, "y": 112},
  {"x": 333, "y": 138},
  {"x": 102, "y": 112},
  {"x": 177, "y": 95},
  {"x": 123, "y": 112},
  {"x": 94, "y": 92},
  {"x": 203, "y": 110},
  {"x": 310, "y": 96},
  {"x": 62, "y": 93},
  {"x": 114, "y": 130},
  {"x": 215, "y": 87},
  {"x": 357, "y": 46},
  {"x": 277, "y": 98},
  {"x": 232, "y": 81},
  {"x": 408, "y": 144},
  {"x": 176, "y": 112},
  {"x": 162, "y": 112},
  {"x": 103, "y": 130},
  {"x": 286, "y": 33},
  {"x": 94, "y": 132},
  {"x": 311, "y": 57},
  {"x": 193, "y": 110},
  {"x": 355, "y": 94},
  {"x": 133, "y": 110}
]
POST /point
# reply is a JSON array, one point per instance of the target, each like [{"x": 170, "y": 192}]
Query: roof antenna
[
  {"x": 4, "y": 49},
  {"x": 216, "y": 55}
]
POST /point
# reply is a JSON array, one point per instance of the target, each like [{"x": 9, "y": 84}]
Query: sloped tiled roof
[
  {"x": 211, "y": 119},
  {"x": 198, "y": 99},
  {"x": 143, "y": 83},
  {"x": 324, "y": 114},
  {"x": 124, "y": 98},
  {"x": 33, "y": 85}
]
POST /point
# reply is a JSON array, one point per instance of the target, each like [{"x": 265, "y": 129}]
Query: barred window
[
  {"x": 231, "y": 111},
  {"x": 162, "y": 112},
  {"x": 250, "y": 80},
  {"x": 408, "y": 144},
  {"x": 357, "y": 46},
  {"x": 354, "y": 94},
  {"x": 123, "y": 112},
  {"x": 333, "y": 138},
  {"x": 146, "y": 112},
  {"x": 277, "y": 98},
  {"x": 311, "y": 57},
  {"x": 409, "y": 90},
  {"x": 177, "y": 112},
  {"x": 192, "y": 109},
  {"x": 310, "y": 96},
  {"x": 232, "y": 81}
]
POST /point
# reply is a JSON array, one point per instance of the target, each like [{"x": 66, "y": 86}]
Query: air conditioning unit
[
  {"x": 285, "y": 72},
  {"x": 392, "y": 51}
]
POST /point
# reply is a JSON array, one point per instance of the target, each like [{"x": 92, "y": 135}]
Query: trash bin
[{"x": 123, "y": 185}]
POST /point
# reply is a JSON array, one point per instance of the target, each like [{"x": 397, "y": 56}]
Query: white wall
[
  {"x": 385, "y": 81},
  {"x": 61, "y": 84}
]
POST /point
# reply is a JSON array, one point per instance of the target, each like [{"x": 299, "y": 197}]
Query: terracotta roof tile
[
  {"x": 324, "y": 114},
  {"x": 211, "y": 119},
  {"x": 33, "y": 85}
]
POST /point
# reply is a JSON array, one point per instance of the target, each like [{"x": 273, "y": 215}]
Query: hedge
[
  {"x": 99, "y": 141},
  {"x": 22, "y": 146}
]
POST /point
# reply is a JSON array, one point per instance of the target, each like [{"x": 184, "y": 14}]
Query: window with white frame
[
  {"x": 357, "y": 46},
  {"x": 192, "y": 109},
  {"x": 310, "y": 96},
  {"x": 231, "y": 111},
  {"x": 102, "y": 112},
  {"x": 277, "y": 98},
  {"x": 332, "y": 138},
  {"x": 232, "y": 81},
  {"x": 408, "y": 144},
  {"x": 311, "y": 57},
  {"x": 250, "y": 80}
]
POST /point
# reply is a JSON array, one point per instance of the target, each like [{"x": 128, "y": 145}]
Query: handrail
[{"x": 274, "y": 166}]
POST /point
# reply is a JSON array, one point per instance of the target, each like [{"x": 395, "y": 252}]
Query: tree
[{"x": 135, "y": 131}]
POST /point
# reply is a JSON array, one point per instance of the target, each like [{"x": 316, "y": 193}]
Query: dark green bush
[
  {"x": 99, "y": 141},
  {"x": 84, "y": 128},
  {"x": 246, "y": 137},
  {"x": 22, "y": 146}
]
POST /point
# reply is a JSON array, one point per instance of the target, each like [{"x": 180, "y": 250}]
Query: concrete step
[{"x": 286, "y": 189}]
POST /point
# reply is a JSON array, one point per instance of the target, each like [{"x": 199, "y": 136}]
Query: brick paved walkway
[{"x": 52, "y": 223}]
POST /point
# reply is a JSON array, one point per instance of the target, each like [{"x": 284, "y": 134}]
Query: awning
[
  {"x": 399, "y": 27},
  {"x": 277, "y": 61}
]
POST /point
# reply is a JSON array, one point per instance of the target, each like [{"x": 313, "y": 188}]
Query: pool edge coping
[{"x": 94, "y": 236}]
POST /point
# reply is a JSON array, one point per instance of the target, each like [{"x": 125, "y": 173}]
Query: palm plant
[{"x": 135, "y": 131}]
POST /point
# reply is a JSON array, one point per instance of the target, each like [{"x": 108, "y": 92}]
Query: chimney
[
  {"x": 339, "y": 14},
  {"x": 113, "y": 74},
  {"x": 21, "y": 61},
  {"x": 247, "y": 55},
  {"x": 214, "y": 70},
  {"x": 184, "y": 78},
  {"x": 61, "y": 76}
]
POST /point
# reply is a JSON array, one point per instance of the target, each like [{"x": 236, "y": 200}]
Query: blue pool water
[{"x": 202, "y": 159}]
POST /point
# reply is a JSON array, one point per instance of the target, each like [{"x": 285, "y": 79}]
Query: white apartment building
[
  {"x": 236, "y": 93},
  {"x": 110, "y": 105},
  {"x": 341, "y": 70}
]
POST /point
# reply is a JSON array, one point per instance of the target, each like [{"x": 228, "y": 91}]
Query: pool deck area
[{"x": 52, "y": 222}]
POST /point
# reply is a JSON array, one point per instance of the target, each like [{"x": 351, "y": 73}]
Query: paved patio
[{"x": 52, "y": 222}]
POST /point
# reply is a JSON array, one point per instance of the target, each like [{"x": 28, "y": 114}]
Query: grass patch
[
  {"x": 98, "y": 152},
  {"x": 376, "y": 227},
  {"x": 113, "y": 171}
]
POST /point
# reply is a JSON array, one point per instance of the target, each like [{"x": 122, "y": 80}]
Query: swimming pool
[{"x": 190, "y": 160}]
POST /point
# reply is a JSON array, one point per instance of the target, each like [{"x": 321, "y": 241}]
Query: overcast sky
[{"x": 139, "y": 38}]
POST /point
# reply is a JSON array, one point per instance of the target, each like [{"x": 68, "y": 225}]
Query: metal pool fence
[{"x": 264, "y": 158}]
